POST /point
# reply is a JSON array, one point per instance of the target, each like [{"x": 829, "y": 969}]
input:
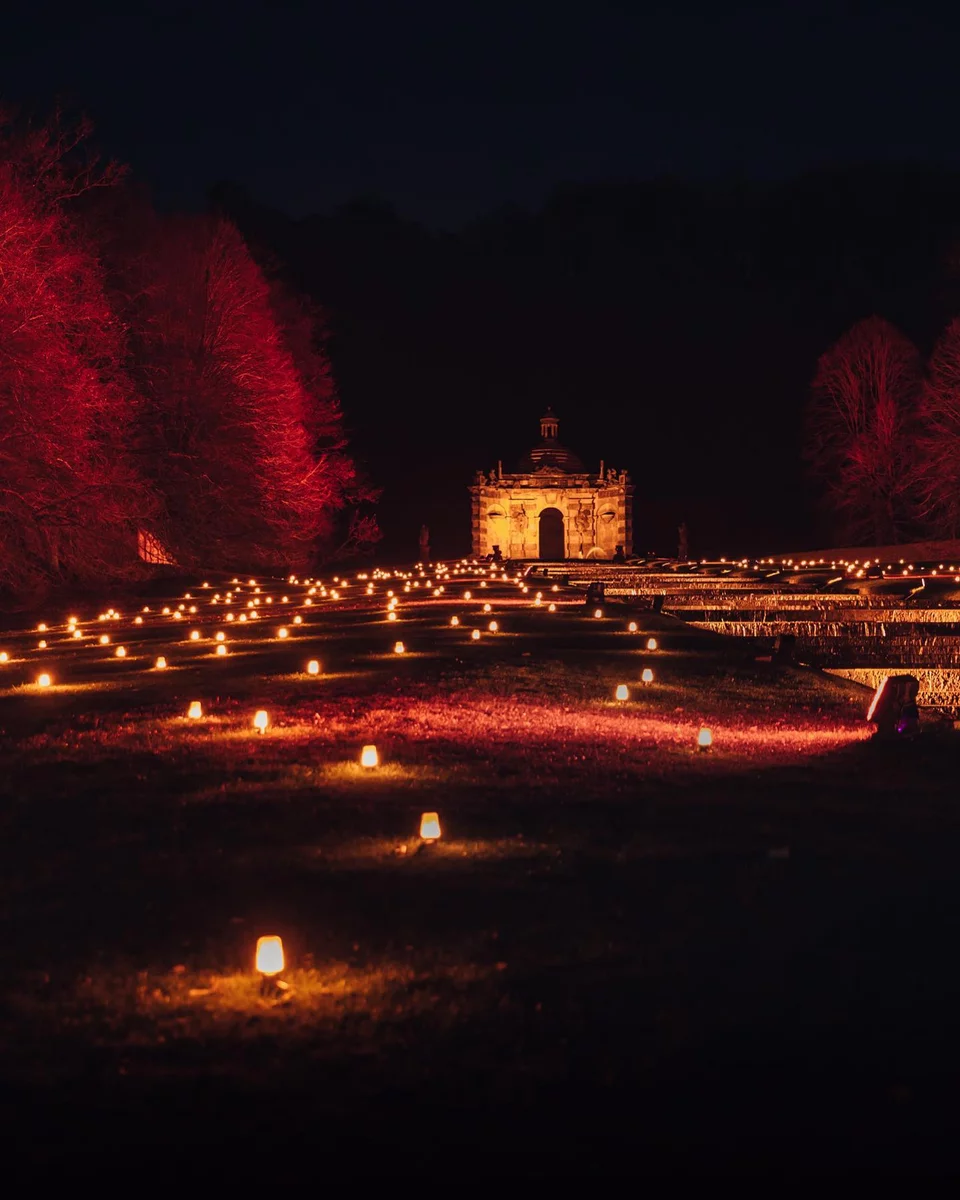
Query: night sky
[{"x": 450, "y": 109}]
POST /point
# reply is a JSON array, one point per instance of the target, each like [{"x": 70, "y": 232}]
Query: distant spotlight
[
  {"x": 313, "y": 667},
  {"x": 651, "y": 643},
  {"x": 475, "y": 635},
  {"x": 704, "y": 738},
  {"x": 647, "y": 676},
  {"x": 622, "y": 692},
  {"x": 430, "y": 826},
  {"x": 369, "y": 757},
  {"x": 195, "y": 711},
  {"x": 260, "y": 719},
  {"x": 161, "y": 663},
  {"x": 399, "y": 648},
  {"x": 44, "y": 680}
]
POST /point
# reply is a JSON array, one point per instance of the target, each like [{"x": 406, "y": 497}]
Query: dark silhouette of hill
[{"x": 674, "y": 326}]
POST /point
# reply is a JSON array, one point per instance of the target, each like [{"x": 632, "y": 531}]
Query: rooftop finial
[{"x": 549, "y": 425}]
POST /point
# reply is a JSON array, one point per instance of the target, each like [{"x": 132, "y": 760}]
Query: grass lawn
[{"x": 624, "y": 955}]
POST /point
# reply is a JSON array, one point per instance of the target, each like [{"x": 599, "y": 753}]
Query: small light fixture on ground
[
  {"x": 195, "y": 711},
  {"x": 493, "y": 627},
  {"x": 161, "y": 663},
  {"x": 651, "y": 643},
  {"x": 622, "y": 692},
  {"x": 269, "y": 962},
  {"x": 552, "y": 608},
  {"x": 632, "y": 627},
  {"x": 646, "y": 676},
  {"x": 261, "y": 720},
  {"x": 488, "y": 608},
  {"x": 704, "y": 738},
  {"x": 399, "y": 648},
  {"x": 44, "y": 680},
  {"x": 430, "y": 827},
  {"x": 475, "y": 635},
  {"x": 194, "y": 635},
  {"x": 369, "y": 757},
  {"x": 313, "y": 667},
  {"x": 221, "y": 649},
  {"x": 221, "y": 636},
  {"x": 598, "y": 612},
  {"x": 454, "y": 620},
  {"x": 283, "y": 632},
  {"x": 4, "y": 656},
  {"x": 104, "y": 639},
  {"x": 391, "y": 615},
  {"x": 121, "y": 652}
]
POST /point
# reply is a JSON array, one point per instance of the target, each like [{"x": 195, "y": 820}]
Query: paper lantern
[
  {"x": 391, "y": 615},
  {"x": 138, "y": 620},
  {"x": 430, "y": 826},
  {"x": 493, "y": 627},
  {"x": 221, "y": 650},
  {"x": 44, "y": 680},
  {"x": 313, "y": 667},
  {"x": 42, "y": 644},
  {"x": 283, "y": 632},
  {"x": 369, "y": 757},
  {"x": 704, "y": 738},
  {"x": 598, "y": 612},
  {"x": 298, "y": 620},
  {"x": 194, "y": 635},
  {"x": 488, "y": 608},
  {"x": 647, "y": 676},
  {"x": 454, "y": 620},
  {"x": 475, "y": 635},
  {"x": 195, "y": 711},
  {"x": 260, "y": 719},
  {"x": 4, "y": 656},
  {"x": 121, "y": 652},
  {"x": 467, "y": 595},
  {"x": 104, "y": 639},
  {"x": 161, "y": 663},
  {"x": 269, "y": 958},
  {"x": 221, "y": 636},
  {"x": 622, "y": 692},
  {"x": 552, "y": 608},
  {"x": 399, "y": 648}
]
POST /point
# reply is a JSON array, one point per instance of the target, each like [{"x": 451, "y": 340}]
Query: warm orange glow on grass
[
  {"x": 44, "y": 680},
  {"x": 221, "y": 636},
  {"x": 298, "y": 620},
  {"x": 42, "y": 644},
  {"x": 4, "y": 656},
  {"x": 269, "y": 959},
  {"x": 552, "y": 608},
  {"x": 646, "y": 676},
  {"x": 313, "y": 667},
  {"x": 622, "y": 692},
  {"x": 369, "y": 757},
  {"x": 391, "y": 615},
  {"x": 430, "y": 826},
  {"x": 121, "y": 652},
  {"x": 195, "y": 711},
  {"x": 260, "y": 719},
  {"x": 161, "y": 663},
  {"x": 704, "y": 738},
  {"x": 77, "y": 633}
]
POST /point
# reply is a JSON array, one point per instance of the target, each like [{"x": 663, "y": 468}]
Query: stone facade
[{"x": 551, "y": 507}]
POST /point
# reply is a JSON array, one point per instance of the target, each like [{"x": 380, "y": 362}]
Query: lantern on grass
[
  {"x": 475, "y": 635},
  {"x": 646, "y": 676},
  {"x": 161, "y": 663},
  {"x": 104, "y": 639},
  {"x": 622, "y": 692},
  {"x": 194, "y": 635},
  {"x": 597, "y": 613},
  {"x": 77, "y": 633},
  {"x": 138, "y": 620},
  {"x": 488, "y": 608},
  {"x": 298, "y": 620},
  {"x": 704, "y": 738},
  {"x": 467, "y": 595},
  {"x": 651, "y": 643},
  {"x": 283, "y": 632},
  {"x": 399, "y": 648},
  {"x": 42, "y": 644},
  {"x": 4, "y": 656},
  {"x": 44, "y": 680},
  {"x": 121, "y": 652},
  {"x": 221, "y": 649},
  {"x": 260, "y": 720},
  {"x": 391, "y": 615},
  {"x": 221, "y": 636},
  {"x": 454, "y": 621},
  {"x": 369, "y": 757},
  {"x": 313, "y": 667},
  {"x": 632, "y": 627},
  {"x": 552, "y": 608},
  {"x": 430, "y": 826},
  {"x": 493, "y": 627},
  {"x": 195, "y": 711},
  {"x": 269, "y": 962}
]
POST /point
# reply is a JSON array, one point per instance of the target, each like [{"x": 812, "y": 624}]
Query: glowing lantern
[
  {"x": 598, "y": 612},
  {"x": 369, "y": 757},
  {"x": 493, "y": 627},
  {"x": 221, "y": 650},
  {"x": 44, "y": 680},
  {"x": 430, "y": 826},
  {"x": 138, "y": 620},
  {"x": 466, "y": 595},
  {"x": 194, "y": 635},
  {"x": 4, "y": 656},
  {"x": 104, "y": 639},
  {"x": 487, "y": 608},
  {"x": 298, "y": 620},
  {"x": 651, "y": 643},
  {"x": 121, "y": 652},
  {"x": 704, "y": 738},
  {"x": 632, "y": 627},
  {"x": 269, "y": 956},
  {"x": 552, "y": 608},
  {"x": 622, "y": 692},
  {"x": 178, "y": 615},
  {"x": 391, "y": 615},
  {"x": 283, "y": 632},
  {"x": 195, "y": 711},
  {"x": 260, "y": 719},
  {"x": 454, "y": 620},
  {"x": 161, "y": 663},
  {"x": 475, "y": 635},
  {"x": 647, "y": 676},
  {"x": 221, "y": 636},
  {"x": 42, "y": 628},
  {"x": 399, "y": 648},
  {"x": 313, "y": 667},
  {"x": 42, "y": 644}
]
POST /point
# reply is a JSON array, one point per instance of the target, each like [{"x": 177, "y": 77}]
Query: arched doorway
[{"x": 552, "y": 546}]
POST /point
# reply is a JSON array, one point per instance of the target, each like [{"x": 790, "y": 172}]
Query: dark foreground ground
[{"x": 624, "y": 956}]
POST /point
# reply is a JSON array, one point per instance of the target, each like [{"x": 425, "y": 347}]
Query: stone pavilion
[{"x": 551, "y": 507}]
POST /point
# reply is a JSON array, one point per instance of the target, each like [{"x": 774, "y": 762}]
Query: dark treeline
[{"x": 674, "y": 327}]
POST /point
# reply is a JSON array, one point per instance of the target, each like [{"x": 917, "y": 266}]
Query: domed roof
[{"x": 548, "y": 454}]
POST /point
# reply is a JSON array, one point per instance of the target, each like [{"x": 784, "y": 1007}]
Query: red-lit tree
[
  {"x": 244, "y": 447},
  {"x": 70, "y": 503},
  {"x": 938, "y": 443},
  {"x": 860, "y": 429}
]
